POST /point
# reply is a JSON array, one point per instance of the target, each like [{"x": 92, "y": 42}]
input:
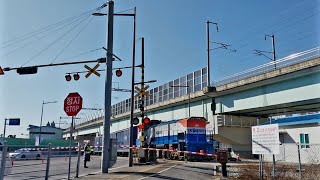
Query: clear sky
[{"x": 175, "y": 45}]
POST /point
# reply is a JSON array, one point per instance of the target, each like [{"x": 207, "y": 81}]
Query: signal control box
[{"x": 222, "y": 156}]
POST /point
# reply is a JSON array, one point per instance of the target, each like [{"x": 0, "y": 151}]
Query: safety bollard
[
  {"x": 78, "y": 161},
  {"x": 48, "y": 162}
]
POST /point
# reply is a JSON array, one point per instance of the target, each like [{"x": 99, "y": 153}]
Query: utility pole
[
  {"x": 132, "y": 90},
  {"x": 273, "y": 50},
  {"x": 108, "y": 86},
  {"x": 208, "y": 54},
  {"x": 262, "y": 53},
  {"x": 208, "y": 50}
]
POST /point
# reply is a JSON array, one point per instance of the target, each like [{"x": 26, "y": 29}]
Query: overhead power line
[
  {"x": 72, "y": 40},
  {"x": 46, "y": 35},
  {"x": 44, "y": 49},
  {"x": 47, "y": 28}
]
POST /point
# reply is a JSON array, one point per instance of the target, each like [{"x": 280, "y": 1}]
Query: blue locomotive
[{"x": 188, "y": 134}]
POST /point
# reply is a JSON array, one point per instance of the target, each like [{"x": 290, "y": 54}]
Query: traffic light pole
[
  {"x": 132, "y": 89},
  {"x": 142, "y": 85},
  {"x": 108, "y": 87},
  {"x": 70, "y": 145}
]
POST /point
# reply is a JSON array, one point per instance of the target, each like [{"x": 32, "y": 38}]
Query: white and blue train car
[{"x": 187, "y": 134}]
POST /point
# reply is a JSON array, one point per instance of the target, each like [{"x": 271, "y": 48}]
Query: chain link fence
[
  {"x": 295, "y": 161},
  {"x": 42, "y": 162}
]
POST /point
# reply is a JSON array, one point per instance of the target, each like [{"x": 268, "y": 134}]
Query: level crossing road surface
[
  {"x": 174, "y": 170},
  {"x": 178, "y": 170},
  {"x": 36, "y": 169}
]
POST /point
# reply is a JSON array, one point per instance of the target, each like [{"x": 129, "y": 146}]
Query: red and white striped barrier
[
  {"x": 133, "y": 147},
  {"x": 185, "y": 152}
]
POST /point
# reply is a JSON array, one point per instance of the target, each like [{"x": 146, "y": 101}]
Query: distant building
[{"x": 48, "y": 132}]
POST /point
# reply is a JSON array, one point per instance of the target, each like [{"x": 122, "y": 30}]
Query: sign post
[
  {"x": 13, "y": 122},
  {"x": 265, "y": 140},
  {"x": 72, "y": 106}
]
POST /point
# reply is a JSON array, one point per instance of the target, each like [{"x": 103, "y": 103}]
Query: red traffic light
[
  {"x": 141, "y": 126},
  {"x": 68, "y": 77},
  {"x": 118, "y": 72},
  {"x": 146, "y": 121},
  {"x": 76, "y": 77}
]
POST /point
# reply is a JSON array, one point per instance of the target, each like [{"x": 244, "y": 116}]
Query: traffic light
[
  {"x": 146, "y": 121},
  {"x": 141, "y": 107},
  {"x": 68, "y": 77},
  {"x": 135, "y": 121},
  {"x": 27, "y": 70},
  {"x": 118, "y": 72},
  {"x": 76, "y": 77},
  {"x": 213, "y": 106}
]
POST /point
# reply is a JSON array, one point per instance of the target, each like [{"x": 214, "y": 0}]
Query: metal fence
[
  {"x": 295, "y": 161},
  {"x": 280, "y": 63},
  {"x": 45, "y": 162}
]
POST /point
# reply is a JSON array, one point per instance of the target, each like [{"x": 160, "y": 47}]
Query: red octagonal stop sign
[{"x": 73, "y": 104}]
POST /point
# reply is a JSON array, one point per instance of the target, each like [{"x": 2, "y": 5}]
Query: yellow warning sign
[
  {"x": 142, "y": 91},
  {"x": 92, "y": 70}
]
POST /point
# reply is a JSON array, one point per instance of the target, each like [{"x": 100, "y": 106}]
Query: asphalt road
[
  {"x": 177, "y": 170},
  {"x": 36, "y": 169}
]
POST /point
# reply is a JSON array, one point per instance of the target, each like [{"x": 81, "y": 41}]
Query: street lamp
[
  {"x": 43, "y": 103},
  {"x": 188, "y": 92}
]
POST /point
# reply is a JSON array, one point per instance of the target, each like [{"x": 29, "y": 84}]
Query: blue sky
[{"x": 175, "y": 44}]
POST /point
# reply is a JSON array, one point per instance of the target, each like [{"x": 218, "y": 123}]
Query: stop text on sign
[{"x": 73, "y": 104}]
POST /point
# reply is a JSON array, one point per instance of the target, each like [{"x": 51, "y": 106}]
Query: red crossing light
[
  {"x": 146, "y": 121},
  {"x": 141, "y": 126},
  {"x": 68, "y": 77},
  {"x": 118, "y": 73},
  {"x": 76, "y": 77}
]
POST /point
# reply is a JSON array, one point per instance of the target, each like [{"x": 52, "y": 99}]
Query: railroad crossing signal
[
  {"x": 135, "y": 121},
  {"x": 92, "y": 70},
  {"x": 141, "y": 91}
]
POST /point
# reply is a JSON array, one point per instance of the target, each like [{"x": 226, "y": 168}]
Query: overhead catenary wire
[
  {"x": 244, "y": 37},
  {"x": 44, "y": 49}
]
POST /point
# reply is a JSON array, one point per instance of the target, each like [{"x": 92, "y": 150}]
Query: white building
[
  {"x": 48, "y": 132},
  {"x": 303, "y": 130}
]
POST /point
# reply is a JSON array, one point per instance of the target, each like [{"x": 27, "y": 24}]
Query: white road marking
[
  {"x": 158, "y": 172},
  {"x": 100, "y": 171}
]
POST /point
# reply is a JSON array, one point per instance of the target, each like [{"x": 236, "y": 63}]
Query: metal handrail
[{"x": 283, "y": 62}]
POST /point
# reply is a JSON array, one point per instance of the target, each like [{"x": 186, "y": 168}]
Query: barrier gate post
[
  {"x": 3, "y": 160},
  {"x": 78, "y": 161},
  {"x": 48, "y": 162}
]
